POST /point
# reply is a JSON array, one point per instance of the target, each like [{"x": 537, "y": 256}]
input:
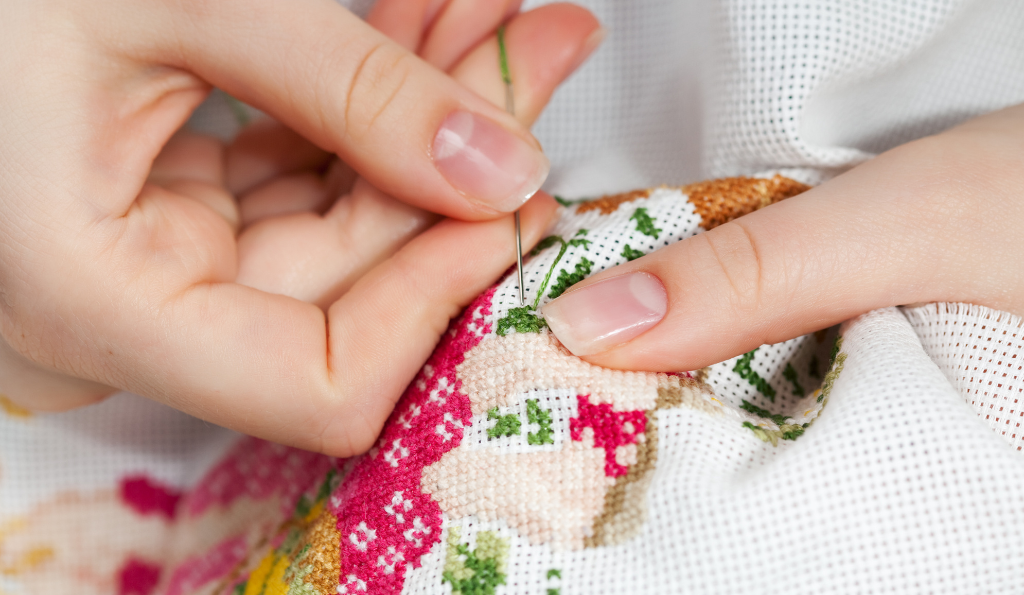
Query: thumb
[
  {"x": 410, "y": 130},
  {"x": 899, "y": 229}
]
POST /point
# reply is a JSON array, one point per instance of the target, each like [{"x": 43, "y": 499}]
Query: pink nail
[
  {"x": 600, "y": 316},
  {"x": 487, "y": 163}
]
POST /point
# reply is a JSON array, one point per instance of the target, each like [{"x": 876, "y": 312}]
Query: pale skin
[
  {"x": 937, "y": 219},
  {"x": 107, "y": 281},
  {"x": 227, "y": 281}
]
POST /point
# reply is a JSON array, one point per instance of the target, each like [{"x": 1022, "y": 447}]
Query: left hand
[{"x": 938, "y": 219}]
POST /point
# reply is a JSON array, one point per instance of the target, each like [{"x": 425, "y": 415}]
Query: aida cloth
[{"x": 883, "y": 456}]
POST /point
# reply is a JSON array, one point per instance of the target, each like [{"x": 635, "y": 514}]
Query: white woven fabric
[{"x": 911, "y": 480}]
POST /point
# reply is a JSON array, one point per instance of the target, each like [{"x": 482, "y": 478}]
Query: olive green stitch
[
  {"x": 789, "y": 373},
  {"x": 541, "y": 417},
  {"x": 240, "y": 588},
  {"x": 838, "y": 360},
  {"x": 478, "y": 571},
  {"x": 554, "y": 573},
  {"x": 566, "y": 280},
  {"x": 302, "y": 507},
  {"x": 564, "y": 202},
  {"x": 554, "y": 591},
  {"x": 630, "y": 254},
  {"x": 508, "y": 425},
  {"x": 645, "y": 223},
  {"x": 747, "y": 373}
]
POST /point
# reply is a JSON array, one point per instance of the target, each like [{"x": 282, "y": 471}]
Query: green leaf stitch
[
  {"x": 630, "y": 254},
  {"x": 645, "y": 223},
  {"x": 522, "y": 320},
  {"x": 554, "y": 573},
  {"x": 789, "y": 373},
  {"x": 542, "y": 417},
  {"x": 579, "y": 241},
  {"x": 566, "y": 280},
  {"x": 478, "y": 571},
  {"x": 508, "y": 425},
  {"x": 747, "y": 373}
]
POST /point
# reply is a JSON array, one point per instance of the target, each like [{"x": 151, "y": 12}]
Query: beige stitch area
[
  {"x": 500, "y": 368},
  {"x": 625, "y": 504},
  {"x": 548, "y": 497}
]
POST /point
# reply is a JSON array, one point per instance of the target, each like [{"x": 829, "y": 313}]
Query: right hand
[{"x": 112, "y": 278}]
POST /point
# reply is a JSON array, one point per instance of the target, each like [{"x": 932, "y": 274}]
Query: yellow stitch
[{"x": 13, "y": 410}]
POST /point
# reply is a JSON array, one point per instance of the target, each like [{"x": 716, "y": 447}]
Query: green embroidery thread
[
  {"x": 789, "y": 373},
  {"x": 478, "y": 571},
  {"x": 506, "y": 76},
  {"x": 554, "y": 573},
  {"x": 794, "y": 431},
  {"x": 630, "y": 254},
  {"x": 541, "y": 417},
  {"x": 645, "y": 223},
  {"x": 523, "y": 319},
  {"x": 747, "y": 373},
  {"x": 508, "y": 425},
  {"x": 566, "y": 280}
]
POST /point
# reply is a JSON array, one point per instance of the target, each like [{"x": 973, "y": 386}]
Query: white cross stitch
[
  {"x": 442, "y": 428},
  {"x": 405, "y": 419},
  {"x": 398, "y": 502},
  {"x": 352, "y": 585},
  {"x": 440, "y": 394},
  {"x": 417, "y": 527},
  {"x": 369, "y": 535},
  {"x": 391, "y": 561},
  {"x": 396, "y": 454}
]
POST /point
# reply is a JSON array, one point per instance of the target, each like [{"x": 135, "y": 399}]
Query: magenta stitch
[
  {"x": 611, "y": 430},
  {"x": 146, "y": 496},
  {"x": 207, "y": 567},
  {"x": 259, "y": 470},
  {"x": 137, "y": 577},
  {"x": 385, "y": 520}
]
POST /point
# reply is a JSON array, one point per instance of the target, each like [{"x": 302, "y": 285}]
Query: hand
[
  {"x": 113, "y": 275},
  {"x": 937, "y": 219}
]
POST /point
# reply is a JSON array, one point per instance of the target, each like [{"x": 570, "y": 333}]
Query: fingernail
[
  {"x": 487, "y": 163},
  {"x": 600, "y": 316},
  {"x": 589, "y": 45}
]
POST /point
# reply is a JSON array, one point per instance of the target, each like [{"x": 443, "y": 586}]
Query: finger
[
  {"x": 877, "y": 236},
  {"x": 192, "y": 165},
  {"x": 266, "y": 149},
  {"x": 189, "y": 156},
  {"x": 404, "y": 21},
  {"x": 297, "y": 193},
  {"x": 544, "y": 46},
  {"x": 423, "y": 286},
  {"x": 271, "y": 366},
  {"x": 410, "y": 130},
  {"x": 316, "y": 259},
  {"x": 461, "y": 26}
]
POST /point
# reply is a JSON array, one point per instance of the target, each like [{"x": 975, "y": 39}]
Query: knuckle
[
  {"x": 736, "y": 258},
  {"x": 377, "y": 81}
]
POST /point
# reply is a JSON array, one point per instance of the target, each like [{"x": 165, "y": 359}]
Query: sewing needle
[{"x": 510, "y": 107}]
